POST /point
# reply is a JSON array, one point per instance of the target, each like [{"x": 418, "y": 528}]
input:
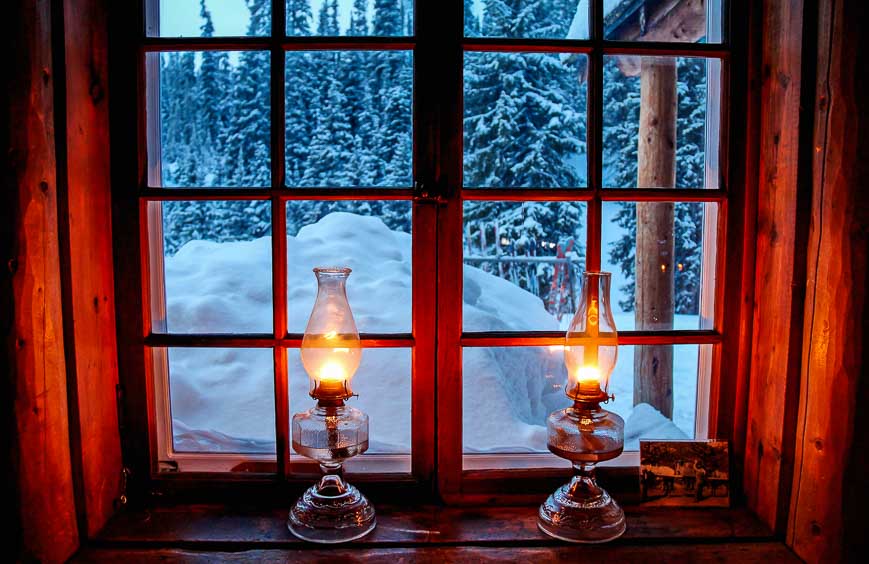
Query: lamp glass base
[
  {"x": 581, "y": 511},
  {"x": 332, "y": 511}
]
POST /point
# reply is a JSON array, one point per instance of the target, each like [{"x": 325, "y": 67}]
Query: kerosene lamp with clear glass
[
  {"x": 331, "y": 432},
  {"x": 584, "y": 433}
]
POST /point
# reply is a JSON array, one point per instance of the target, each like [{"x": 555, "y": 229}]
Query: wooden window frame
[
  {"x": 437, "y": 460},
  {"x": 519, "y": 478}
]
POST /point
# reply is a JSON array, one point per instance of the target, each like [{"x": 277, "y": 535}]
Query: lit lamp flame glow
[{"x": 588, "y": 379}]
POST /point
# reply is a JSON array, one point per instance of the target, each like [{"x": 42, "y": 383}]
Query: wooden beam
[
  {"x": 678, "y": 22},
  {"x": 39, "y": 479},
  {"x": 779, "y": 269},
  {"x": 86, "y": 229},
  {"x": 830, "y": 496},
  {"x": 653, "y": 309}
]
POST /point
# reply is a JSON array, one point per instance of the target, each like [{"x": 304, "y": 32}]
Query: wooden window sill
[{"x": 208, "y": 532}]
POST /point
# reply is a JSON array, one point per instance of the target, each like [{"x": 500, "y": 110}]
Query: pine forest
[{"x": 348, "y": 123}]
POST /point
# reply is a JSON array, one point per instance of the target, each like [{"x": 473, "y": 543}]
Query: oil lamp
[
  {"x": 331, "y": 432},
  {"x": 584, "y": 433}
]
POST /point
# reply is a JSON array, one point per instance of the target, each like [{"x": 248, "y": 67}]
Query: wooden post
[{"x": 653, "y": 364}]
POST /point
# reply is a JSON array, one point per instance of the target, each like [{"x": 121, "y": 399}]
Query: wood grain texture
[
  {"x": 827, "y": 517},
  {"x": 778, "y": 273},
  {"x": 215, "y": 527},
  {"x": 675, "y": 553},
  {"x": 90, "y": 278},
  {"x": 35, "y": 404},
  {"x": 682, "y": 21}
]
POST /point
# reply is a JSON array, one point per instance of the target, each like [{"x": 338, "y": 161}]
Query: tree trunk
[{"x": 653, "y": 364}]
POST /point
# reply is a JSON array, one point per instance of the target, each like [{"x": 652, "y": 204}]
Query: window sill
[{"x": 443, "y": 533}]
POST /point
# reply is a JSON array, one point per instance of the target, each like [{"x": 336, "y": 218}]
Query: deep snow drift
[{"x": 222, "y": 400}]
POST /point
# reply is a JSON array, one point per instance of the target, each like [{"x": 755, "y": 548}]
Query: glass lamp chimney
[
  {"x": 331, "y": 348},
  {"x": 591, "y": 346}
]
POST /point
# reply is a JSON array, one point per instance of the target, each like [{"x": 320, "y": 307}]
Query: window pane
[
  {"x": 371, "y": 237},
  {"x": 350, "y": 17},
  {"x": 522, "y": 260},
  {"x": 218, "y": 18},
  {"x": 679, "y": 22},
  {"x": 383, "y": 387},
  {"x": 528, "y": 19},
  {"x": 635, "y": 129},
  {"x": 222, "y": 400},
  {"x": 218, "y": 266},
  {"x": 508, "y": 392},
  {"x": 524, "y": 120},
  {"x": 659, "y": 247},
  {"x": 349, "y": 118},
  {"x": 214, "y": 118}
]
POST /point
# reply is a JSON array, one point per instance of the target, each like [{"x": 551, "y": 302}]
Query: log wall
[
  {"x": 830, "y": 496},
  {"x": 36, "y": 436},
  {"x": 779, "y": 267},
  {"x": 88, "y": 275}
]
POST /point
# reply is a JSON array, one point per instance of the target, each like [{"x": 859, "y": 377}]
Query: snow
[
  {"x": 223, "y": 399},
  {"x": 579, "y": 25}
]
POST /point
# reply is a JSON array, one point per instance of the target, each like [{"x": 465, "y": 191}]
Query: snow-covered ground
[{"x": 222, "y": 399}]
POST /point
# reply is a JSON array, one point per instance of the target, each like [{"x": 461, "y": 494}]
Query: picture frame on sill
[{"x": 685, "y": 473}]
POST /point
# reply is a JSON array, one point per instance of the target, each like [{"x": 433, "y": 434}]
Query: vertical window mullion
[
  {"x": 424, "y": 261},
  {"x": 279, "y": 238},
  {"x": 594, "y": 139}
]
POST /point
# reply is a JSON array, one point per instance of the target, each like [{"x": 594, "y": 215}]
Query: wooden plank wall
[
  {"x": 779, "y": 268},
  {"x": 34, "y": 402},
  {"x": 87, "y": 233},
  {"x": 830, "y": 496}
]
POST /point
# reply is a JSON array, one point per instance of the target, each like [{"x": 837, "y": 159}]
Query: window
[{"x": 467, "y": 174}]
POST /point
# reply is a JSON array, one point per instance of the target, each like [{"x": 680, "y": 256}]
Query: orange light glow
[
  {"x": 593, "y": 313},
  {"x": 589, "y": 378},
  {"x": 332, "y": 372}
]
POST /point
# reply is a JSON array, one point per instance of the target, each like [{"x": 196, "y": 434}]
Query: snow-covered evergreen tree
[
  {"x": 332, "y": 140},
  {"x": 472, "y": 23},
  {"x": 523, "y": 124},
  {"x": 299, "y": 89},
  {"x": 248, "y": 145},
  {"x": 299, "y": 17},
  {"x": 387, "y": 18},
  {"x": 210, "y": 113}
]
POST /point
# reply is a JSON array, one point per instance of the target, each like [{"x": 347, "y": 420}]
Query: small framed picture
[{"x": 685, "y": 473}]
